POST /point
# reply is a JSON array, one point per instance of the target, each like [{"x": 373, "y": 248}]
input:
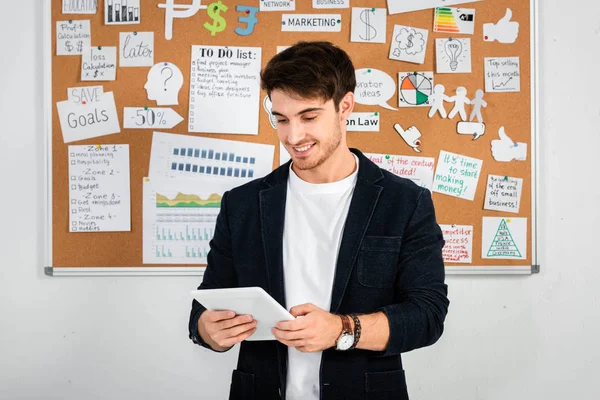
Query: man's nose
[{"x": 295, "y": 133}]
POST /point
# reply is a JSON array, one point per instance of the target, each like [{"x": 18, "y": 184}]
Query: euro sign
[{"x": 219, "y": 23}]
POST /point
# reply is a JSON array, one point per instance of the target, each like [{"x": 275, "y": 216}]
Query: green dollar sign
[{"x": 219, "y": 22}]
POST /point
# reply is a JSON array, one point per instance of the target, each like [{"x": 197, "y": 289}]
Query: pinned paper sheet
[
  {"x": 368, "y": 25},
  {"x": 99, "y": 64},
  {"x": 311, "y": 22},
  {"x": 72, "y": 37},
  {"x": 173, "y": 11},
  {"x": 196, "y": 158},
  {"x": 121, "y": 12},
  {"x": 457, "y": 175},
  {"x": 402, "y": 6},
  {"x": 137, "y": 49},
  {"x": 417, "y": 169},
  {"x": 505, "y": 150},
  {"x": 453, "y": 55},
  {"x": 437, "y": 100},
  {"x": 330, "y": 4},
  {"x": 409, "y": 44},
  {"x": 277, "y": 5},
  {"x": 459, "y": 243},
  {"x": 412, "y": 136},
  {"x": 163, "y": 83},
  {"x": 149, "y": 118},
  {"x": 502, "y": 74},
  {"x": 99, "y": 198},
  {"x": 503, "y": 193},
  {"x": 504, "y": 238},
  {"x": 79, "y": 6},
  {"x": 93, "y": 119},
  {"x": 212, "y": 102},
  {"x": 504, "y": 31},
  {"x": 460, "y": 99},
  {"x": 85, "y": 94},
  {"x": 454, "y": 20},
  {"x": 374, "y": 87},
  {"x": 363, "y": 122},
  {"x": 415, "y": 89}
]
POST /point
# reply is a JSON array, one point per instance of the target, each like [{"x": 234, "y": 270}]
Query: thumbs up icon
[
  {"x": 505, "y": 31},
  {"x": 505, "y": 150}
]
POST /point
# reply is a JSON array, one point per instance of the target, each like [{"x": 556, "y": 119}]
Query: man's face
[{"x": 310, "y": 129}]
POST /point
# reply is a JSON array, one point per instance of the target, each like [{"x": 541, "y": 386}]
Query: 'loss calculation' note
[{"x": 99, "y": 191}]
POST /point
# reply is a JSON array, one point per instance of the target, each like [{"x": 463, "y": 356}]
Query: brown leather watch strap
[{"x": 346, "y": 324}]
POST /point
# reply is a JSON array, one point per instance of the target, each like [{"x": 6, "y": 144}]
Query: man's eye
[
  {"x": 309, "y": 119},
  {"x": 281, "y": 121}
]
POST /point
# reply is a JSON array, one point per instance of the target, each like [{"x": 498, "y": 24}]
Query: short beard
[{"x": 328, "y": 149}]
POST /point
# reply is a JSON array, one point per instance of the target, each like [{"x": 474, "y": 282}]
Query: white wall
[{"x": 120, "y": 338}]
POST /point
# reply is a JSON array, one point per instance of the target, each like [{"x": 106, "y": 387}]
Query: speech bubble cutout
[
  {"x": 475, "y": 129},
  {"x": 374, "y": 87}
]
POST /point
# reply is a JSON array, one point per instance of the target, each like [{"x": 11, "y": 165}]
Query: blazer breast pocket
[{"x": 378, "y": 261}]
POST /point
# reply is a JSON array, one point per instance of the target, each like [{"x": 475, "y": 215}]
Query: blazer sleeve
[
  {"x": 421, "y": 303},
  {"x": 219, "y": 273}
]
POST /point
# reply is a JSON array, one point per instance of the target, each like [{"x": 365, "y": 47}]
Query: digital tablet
[{"x": 248, "y": 300}]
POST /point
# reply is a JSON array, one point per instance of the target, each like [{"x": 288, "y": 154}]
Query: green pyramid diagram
[{"x": 503, "y": 244}]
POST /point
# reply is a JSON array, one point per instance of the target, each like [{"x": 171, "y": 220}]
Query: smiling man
[{"x": 351, "y": 250}]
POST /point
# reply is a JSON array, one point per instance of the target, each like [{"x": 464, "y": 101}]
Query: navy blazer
[{"x": 390, "y": 260}]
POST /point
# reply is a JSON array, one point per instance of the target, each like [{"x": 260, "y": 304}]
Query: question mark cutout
[{"x": 170, "y": 76}]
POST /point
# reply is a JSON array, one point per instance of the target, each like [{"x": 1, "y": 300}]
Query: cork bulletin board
[{"x": 107, "y": 253}]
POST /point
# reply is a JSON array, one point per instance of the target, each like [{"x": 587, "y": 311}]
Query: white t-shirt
[{"x": 315, "y": 215}]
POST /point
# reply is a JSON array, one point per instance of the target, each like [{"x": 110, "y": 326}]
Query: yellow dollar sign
[{"x": 219, "y": 23}]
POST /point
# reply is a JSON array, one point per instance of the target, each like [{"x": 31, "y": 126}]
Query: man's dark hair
[{"x": 311, "y": 70}]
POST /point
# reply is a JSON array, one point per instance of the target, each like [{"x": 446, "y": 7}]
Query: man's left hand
[{"x": 317, "y": 330}]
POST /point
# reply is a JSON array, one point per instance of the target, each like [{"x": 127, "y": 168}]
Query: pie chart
[{"x": 415, "y": 89}]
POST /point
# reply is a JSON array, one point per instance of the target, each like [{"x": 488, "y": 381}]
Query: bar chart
[{"x": 121, "y": 12}]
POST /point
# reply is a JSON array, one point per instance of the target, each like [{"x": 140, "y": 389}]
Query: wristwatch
[{"x": 346, "y": 339}]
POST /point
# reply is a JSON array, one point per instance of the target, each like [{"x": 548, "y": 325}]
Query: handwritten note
[
  {"x": 504, "y": 238},
  {"x": 72, "y": 37},
  {"x": 459, "y": 243},
  {"x": 99, "y": 64},
  {"x": 85, "y": 94},
  {"x": 503, "y": 193},
  {"x": 79, "y": 6},
  {"x": 417, "y": 169},
  {"x": 502, "y": 74},
  {"x": 225, "y": 89},
  {"x": 88, "y": 120},
  {"x": 99, "y": 198},
  {"x": 457, "y": 175},
  {"x": 137, "y": 49}
]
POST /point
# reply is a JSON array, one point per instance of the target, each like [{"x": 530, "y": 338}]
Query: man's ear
[{"x": 346, "y": 105}]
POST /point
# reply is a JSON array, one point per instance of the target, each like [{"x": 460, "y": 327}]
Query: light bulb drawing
[{"x": 453, "y": 49}]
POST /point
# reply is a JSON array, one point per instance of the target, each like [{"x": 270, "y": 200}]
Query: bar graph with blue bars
[{"x": 200, "y": 161}]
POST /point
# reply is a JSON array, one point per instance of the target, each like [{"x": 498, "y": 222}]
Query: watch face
[{"x": 345, "y": 342}]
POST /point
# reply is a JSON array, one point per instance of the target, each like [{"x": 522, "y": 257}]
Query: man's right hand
[{"x": 221, "y": 330}]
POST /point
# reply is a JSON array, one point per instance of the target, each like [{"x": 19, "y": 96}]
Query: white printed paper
[
  {"x": 331, "y": 3},
  {"x": 502, "y": 74},
  {"x": 179, "y": 219},
  {"x": 311, "y": 23},
  {"x": 363, "y": 122},
  {"x": 503, "y": 193},
  {"x": 72, "y": 37},
  {"x": 409, "y": 44},
  {"x": 454, "y": 20},
  {"x": 415, "y": 89},
  {"x": 453, "y": 55},
  {"x": 225, "y": 89},
  {"x": 137, "y": 49},
  {"x": 277, "y": 5},
  {"x": 93, "y": 119},
  {"x": 150, "y": 117},
  {"x": 374, "y": 87},
  {"x": 99, "y": 198},
  {"x": 99, "y": 64},
  {"x": 459, "y": 243},
  {"x": 504, "y": 238},
  {"x": 402, "y": 6},
  {"x": 457, "y": 175},
  {"x": 368, "y": 25},
  {"x": 79, "y": 6},
  {"x": 417, "y": 169},
  {"x": 85, "y": 94},
  {"x": 193, "y": 157},
  {"x": 121, "y": 12}
]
